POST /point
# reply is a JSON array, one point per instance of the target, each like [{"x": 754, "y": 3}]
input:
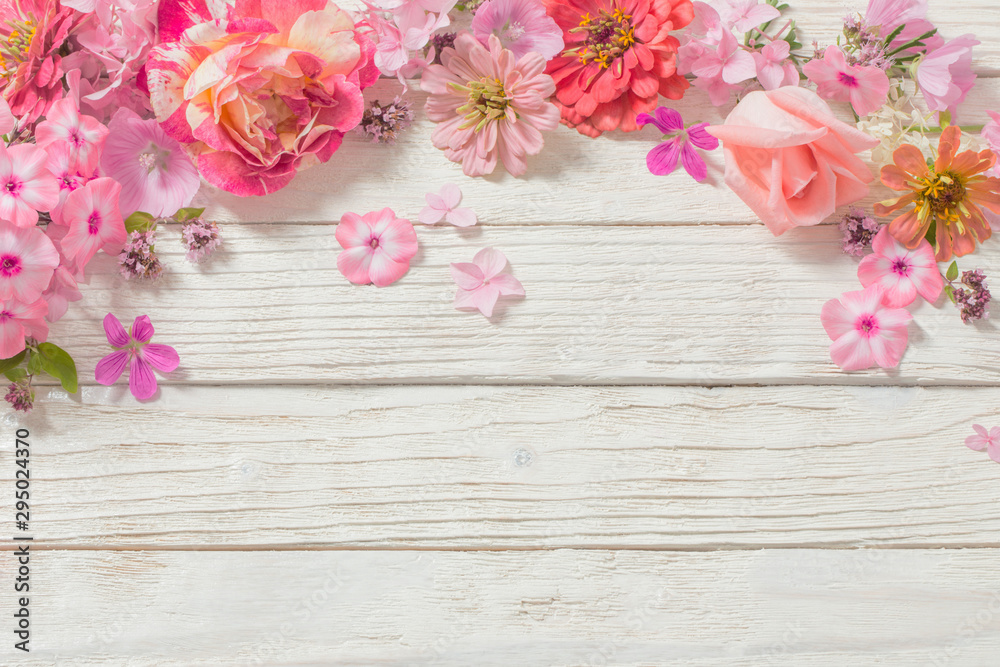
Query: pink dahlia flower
[
  {"x": 945, "y": 75},
  {"x": 27, "y": 260},
  {"x": 19, "y": 320},
  {"x": 156, "y": 175},
  {"x": 93, "y": 220},
  {"x": 267, "y": 89},
  {"x": 84, "y": 134},
  {"x": 489, "y": 105},
  {"x": 864, "y": 331},
  {"x": 377, "y": 246},
  {"x": 901, "y": 272},
  {"x": 26, "y": 185},
  {"x": 864, "y": 86},
  {"x": 521, "y": 26},
  {"x": 134, "y": 349}
]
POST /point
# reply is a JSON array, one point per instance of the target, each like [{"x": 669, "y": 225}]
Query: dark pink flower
[
  {"x": 135, "y": 350},
  {"x": 678, "y": 142}
]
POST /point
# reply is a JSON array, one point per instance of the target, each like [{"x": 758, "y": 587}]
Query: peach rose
[
  {"x": 258, "y": 90},
  {"x": 790, "y": 160}
]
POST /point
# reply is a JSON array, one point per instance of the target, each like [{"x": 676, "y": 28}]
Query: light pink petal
[
  {"x": 451, "y": 195},
  {"x": 111, "y": 367},
  {"x": 893, "y": 318},
  {"x": 141, "y": 381},
  {"x": 161, "y": 357},
  {"x": 837, "y": 320},
  {"x": 429, "y": 215},
  {"x": 899, "y": 290},
  {"x": 928, "y": 282},
  {"x": 872, "y": 268},
  {"x": 466, "y": 275},
  {"x": 142, "y": 329},
  {"x": 491, "y": 261},
  {"x": 11, "y": 338},
  {"x": 888, "y": 347},
  {"x": 852, "y": 352},
  {"x": 976, "y": 442},
  {"x": 354, "y": 263},
  {"x": 994, "y": 452},
  {"x": 352, "y": 231},
  {"x": 113, "y": 329},
  {"x": 398, "y": 241},
  {"x": 384, "y": 270},
  {"x": 981, "y": 430},
  {"x": 461, "y": 217},
  {"x": 508, "y": 285}
]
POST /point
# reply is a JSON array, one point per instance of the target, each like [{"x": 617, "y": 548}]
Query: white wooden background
[{"x": 331, "y": 477}]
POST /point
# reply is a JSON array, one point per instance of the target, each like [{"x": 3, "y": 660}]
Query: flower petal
[
  {"x": 491, "y": 262},
  {"x": 115, "y": 332},
  {"x": 142, "y": 329},
  {"x": 111, "y": 367},
  {"x": 161, "y": 357},
  {"x": 141, "y": 381}
]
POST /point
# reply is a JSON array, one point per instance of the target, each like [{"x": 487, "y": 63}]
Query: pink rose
[
  {"x": 790, "y": 160},
  {"x": 256, "y": 94}
]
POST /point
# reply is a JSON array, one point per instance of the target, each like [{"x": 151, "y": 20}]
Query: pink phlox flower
[
  {"x": 84, "y": 134},
  {"x": 444, "y": 206},
  {"x": 774, "y": 69},
  {"x": 678, "y": 143},
  {"x": 865, "y": 87},
  {"x": 901, "y": 272},
  {"x": 19, "y": 320},
  {"x": 27, "y": 260},
  {"x": 62, "y": 290},
  {"x": 707, "y": 27},
  {"x": 26, "y": 185},
  {"x": 134, "y": 349},
  {"x": 864, "y": 331},
  {"x": 94, "y": 221},
  {"x": 521, "y": 25},
  {"x": 378, "y": 247},
  {"x": 482, "y": 282},
  {"x": 729, "y": 62},
  {"x": 945, "y": 75},
  {"x": 983, "y": 439},
  {"x": 745, "y": 15}
]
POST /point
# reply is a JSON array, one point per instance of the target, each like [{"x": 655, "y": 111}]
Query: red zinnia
[{"x": 619, "y": 57}]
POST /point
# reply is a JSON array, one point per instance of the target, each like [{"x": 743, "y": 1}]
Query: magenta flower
[
  {"x": 95, "y": 223},
  {"x": 745, "y": 15},
  {"x": 19, "y": 320},
  {"x": 156, "y": 175},
  {"x": 444, "y": 206},
  {"x": 730, "y": 62},
  {"x": 482, "y": 282},
  {"x": 27, "y": 261},
  {"x": 26, "y": 186},
  {"x": 901, "y": 272},
  {"x": 864, "y": 331},
  {"x": 133, "y": 348},
  {"x": 774, "y": 69},
  {"x": 678, "y": 142},
  {"x": 983, "y": 439},
  {"x": 521, "y": 25},
  {"x": 945, "y": 75},
  {"x": 377, "y": 246},
  {"x": 865, "y": 87},
  {"x": 84, "y": 134}
]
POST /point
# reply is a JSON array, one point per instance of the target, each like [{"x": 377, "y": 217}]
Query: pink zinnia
[
  {"x": 84, "y": 134},
  {"x": 378, "y": 247},
  {"x": 488, "y": 105},
  {"x": 156, "y": 175},
  {"x": 864, "y": 331},
  {"x": 983, "y": 439},
  {"x": 27, "y": 260},
  {"x": 521, "y": 25},
  {"x": 865, "y": 87},
  {"x": 94, "y": 221},
  {"x": 945, "y": 74},
  {"x": 133, "y": 348},
  {"x": 19, "y": 320},
  {"x": 902, "y": 273},
  {"x": 483, "y": 281},
  {"x": 26, "y": 186}
]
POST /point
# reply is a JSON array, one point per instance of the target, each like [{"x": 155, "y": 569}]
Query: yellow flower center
[
  {"x": 608, "y": 36},
  {"x": 487, "y": 101},
  {"x": 14, "y": 50},
  {"x": 941, "y": 196}
]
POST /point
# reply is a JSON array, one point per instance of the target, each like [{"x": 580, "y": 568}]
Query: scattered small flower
[
  {"x": 983, "y": 439},
  {"x": 382, "y": 123},
  {"x": 378, "y": 247},
  {"x": 444, "y": 206},
  {"x": 864, "y": 331},
  {"x": 903, "y": 273},
  {"x": 134, "y": 348},
  {"x": 678, "y": 142},
  {"x": 973, "y": 301},
  {"x": 21, "y": 396},
  {"x": 138, "y": 259},
  {"x": 859, "y": 229},
  {"x": 482, "y": 282},
  {"x": 202, "y": 238}
]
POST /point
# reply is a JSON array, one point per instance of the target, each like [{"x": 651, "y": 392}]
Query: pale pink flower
[
  {"x": 26, "y": 186},
  {"x": 983, "y": 439},
  {"x": 133, "y": 348},
  {"x": 945, "y": 75},
  {"x": 521, "y": 25},
  {"x": 157, "y": 177},
  {"x": 95, "y": 223},
  {"x": 7, "y": 120},
  {"x": 747, "y": 14},
  {"x": 84, "y": 134},
  {"x": 774, "y": 69},
  {"x": 887, "y": 15},
  {"x": 729, "y": 62},
  {"x": 482, "y": 282},
  {"x": 507, "y": 126},
  {"x": 378, "y": 247},
  {"x": 27, "y": 260},
  {"x": 864, "y": 331},
  {"x": 865, "y": 87},
  {"x": 19, "y": 320},
  {"x": 901, "y": 272},
  {"x": 61, "y": 165},
  {"x": 444, "y": 206},
  {"x": 62, "y": 290}
]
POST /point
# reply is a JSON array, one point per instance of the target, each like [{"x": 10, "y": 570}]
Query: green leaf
[
  {"x": 34, "y": 363},
  {"x": 944, "y": 118},
  {"x": 185, "y": 214},
  {"x": 13, "y": 362},
  {"x": 952, "y": 271},
  {"x": 56, "y": 362},
  {"x": 950, "y": 291},
  {"x": 15, "y": 374},
  {"x": 894, "y": 34},
  {"x": 139, "y": 222}
]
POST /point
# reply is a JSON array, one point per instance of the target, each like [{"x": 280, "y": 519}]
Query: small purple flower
[
  {"x": 678, "y": 142},
  {"x": 138, "y": 259},
  {"x": 20, "y": 396},
  {"x": 859, "y": 229},
  {"x": 973, "y": 301},
  {"x": 382, "y": 123},
  {"x": 201, "y": 237}
]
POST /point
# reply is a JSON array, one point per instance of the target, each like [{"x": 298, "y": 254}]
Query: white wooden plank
[
  {"x": 400, "y": 467},
  {"x": 633, "y": 305},
  {"x": 795, "y": 607}
]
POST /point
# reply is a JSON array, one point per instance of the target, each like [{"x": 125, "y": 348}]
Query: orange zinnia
[{"x": 946, "y": 196}]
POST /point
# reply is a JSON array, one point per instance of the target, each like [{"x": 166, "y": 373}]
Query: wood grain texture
[
  {"x": 619, "y": 305},
  {"x": 397, "y": 467},
  {"x": 739, "y": 609}
]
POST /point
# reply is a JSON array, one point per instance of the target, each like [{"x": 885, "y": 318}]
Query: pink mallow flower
[
  {"x": 522, "y": 26},
  {"x": 983, "y": 439},
  {"x": 19, "y": 320},
  {"x": 94, "y": 221},
  {"x": 945, "y": 74},
  {"x": 482, "y": 282},
  {"x": 26, "y": 185},
  {"x": 84, "y": 134},
  {"x": 864, "y": 87},
  {"x": 378, "y": 247},
  {"x": 27, "y": 260},
  {"x": 901, "y": 272},
  {"x": 444, "y": 206},
  {"x": 133, "y": 348},
  {"x": 156, "y": 175},
  {"x": 864, "y": 331},
  {"x": 678, "y": 142},
  {"x": 774, "y": 69}
]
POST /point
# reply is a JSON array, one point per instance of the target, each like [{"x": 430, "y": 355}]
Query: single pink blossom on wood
[
  {"x": 378, "y": 247},
  {"x": 901, "y": 272},
  {"x": 134, "y": 349},
  {"x": 865, "y": 87},
  {"x": 444, "y": 206},
  {"x": 864, "y": 331},
  {"x": 482, "y": 282},
  {"x": 983, "y": 439}
]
